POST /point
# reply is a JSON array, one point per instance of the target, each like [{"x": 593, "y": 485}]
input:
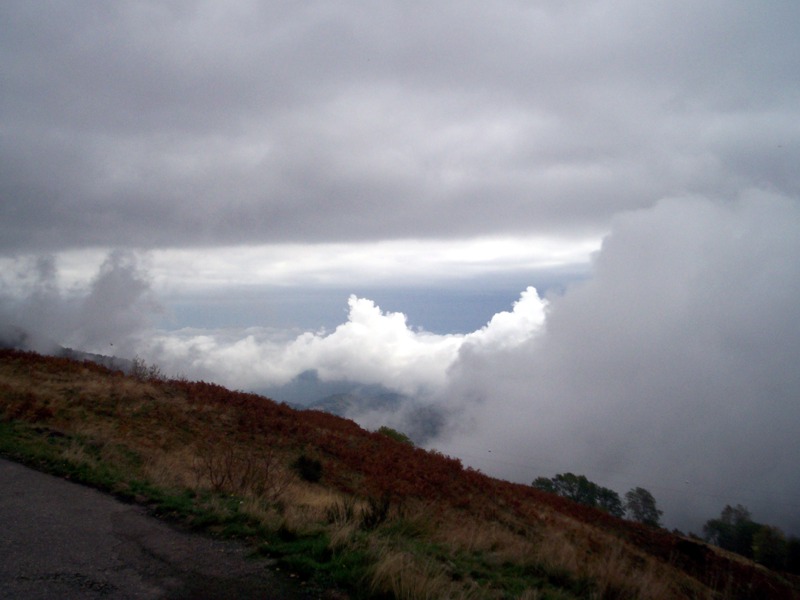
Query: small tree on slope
[{"x": 641, "y": 506}]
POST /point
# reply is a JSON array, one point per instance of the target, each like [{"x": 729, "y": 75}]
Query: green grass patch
[
  {"x": 310, "y": 556},
  {"x": 45, "y": 450},
  {"x": 48, "y": 451}
]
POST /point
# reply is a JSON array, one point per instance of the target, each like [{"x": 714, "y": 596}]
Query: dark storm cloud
[{"x": 183, "y": 123}]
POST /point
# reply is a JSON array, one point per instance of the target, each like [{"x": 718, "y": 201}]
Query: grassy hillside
[{"x": 340, "y": 505}]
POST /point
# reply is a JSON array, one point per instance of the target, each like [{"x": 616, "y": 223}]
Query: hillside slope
[{"x": 338, "y": 504}]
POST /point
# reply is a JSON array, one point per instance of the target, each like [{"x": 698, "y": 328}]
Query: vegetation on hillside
[
  {"x": 639, "y": 505},
  {"x": 736, "y": 531},
  {"x": 340, "y": 506},
  {"x": 579, "y": 489}
]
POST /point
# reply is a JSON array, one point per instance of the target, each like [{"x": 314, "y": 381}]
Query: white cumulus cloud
[{"x": 372, "y": 347}]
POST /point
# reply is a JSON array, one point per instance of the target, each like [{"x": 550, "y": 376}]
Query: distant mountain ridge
[
  {"x": 419, "y": 422},
  {"x": 373, "y": 405},
  {"x": 350, "y": 403}
]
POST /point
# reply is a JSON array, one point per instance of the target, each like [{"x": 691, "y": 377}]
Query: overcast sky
[{"x": 571, "y": 226}]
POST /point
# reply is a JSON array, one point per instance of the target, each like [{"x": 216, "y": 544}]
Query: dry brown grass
[
  {"x": 262, "y": 512},
  {"x": 76, "y": 453},
  {"x": 409, "y": 577},
  {"x": 172, "y": 469},
  {"x": 206, "y": 439},
  {"x": 493, "y": 539},
  {"x": 617, "y": 569},
  {"x": 530, "y": 595},
  {"x": 306, "y": 506}
]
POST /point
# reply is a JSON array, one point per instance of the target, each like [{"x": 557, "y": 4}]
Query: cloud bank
[
  {"x": 145, "y": 124},
  {"x": 672, "y": 367},
  {"x": 372, "y": 347}
]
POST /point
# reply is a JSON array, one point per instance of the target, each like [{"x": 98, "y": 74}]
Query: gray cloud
[
  {"x": 106, "y": 317},
  {"x": 673, "y": 367},
  {"x": 119, "y": 304},
  {"x": 174, "y": 124},
  {"x": 154, "y": 125}
]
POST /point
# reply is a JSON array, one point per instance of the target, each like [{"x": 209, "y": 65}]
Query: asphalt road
[{"x": 62, "y": 540}]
